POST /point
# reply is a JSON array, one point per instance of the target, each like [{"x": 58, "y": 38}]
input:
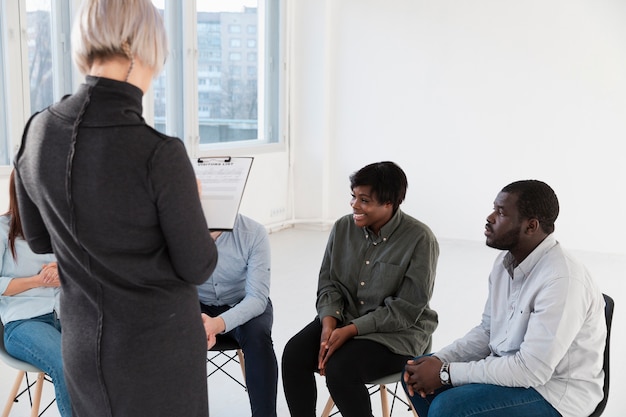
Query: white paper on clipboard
[{"x": 223, "y": 180}]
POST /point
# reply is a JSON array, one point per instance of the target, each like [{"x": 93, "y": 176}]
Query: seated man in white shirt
[
  {"x": 538, "y": 350},
  {"x": 236, "y": 299}
]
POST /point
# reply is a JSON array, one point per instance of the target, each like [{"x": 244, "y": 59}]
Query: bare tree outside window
[
  {"x": 39, "y": 54},
  {"x": 227, "y": 111},
  {"x": 4, "y": 133},
  {"x": 232, "y": 57}
]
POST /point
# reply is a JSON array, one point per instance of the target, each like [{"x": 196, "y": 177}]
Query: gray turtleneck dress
[{"x": 117, "y": 203}]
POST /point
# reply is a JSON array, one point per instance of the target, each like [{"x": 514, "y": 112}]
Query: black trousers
[{"x": 348, "y": 369}]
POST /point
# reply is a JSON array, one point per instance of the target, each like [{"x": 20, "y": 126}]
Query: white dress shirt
[{"x": 543, "y": 326}]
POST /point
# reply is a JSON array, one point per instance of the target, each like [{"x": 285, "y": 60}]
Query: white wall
[
  {"x": 266, "y": 197},
  {"x": 466, "y": 97}
]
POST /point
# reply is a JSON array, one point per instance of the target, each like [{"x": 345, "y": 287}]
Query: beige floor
[{"x": 459, "y": 296}]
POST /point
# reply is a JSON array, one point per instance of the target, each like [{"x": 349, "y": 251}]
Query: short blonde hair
[{"x": 105, "y": 28}]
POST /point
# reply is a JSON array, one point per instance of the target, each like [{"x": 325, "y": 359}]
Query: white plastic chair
[
  {"x": 23, "y": 368},
  {"x": 379, "y": 385}
]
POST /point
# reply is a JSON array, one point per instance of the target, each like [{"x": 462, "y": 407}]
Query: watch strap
[{"x": 444, "y": 374}]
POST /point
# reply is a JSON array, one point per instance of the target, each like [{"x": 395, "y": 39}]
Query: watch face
[{"x": 445, "y": 376}]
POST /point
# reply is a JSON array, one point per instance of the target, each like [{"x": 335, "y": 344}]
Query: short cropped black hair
[
  {"x": 536, "y": 200},
  {"x": 387, "y": 180}
]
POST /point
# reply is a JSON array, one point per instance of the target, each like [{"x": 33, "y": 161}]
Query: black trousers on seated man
[{"x": 255, "y": 339}]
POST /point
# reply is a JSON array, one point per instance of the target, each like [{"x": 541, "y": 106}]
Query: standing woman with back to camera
[{"x": 117, "y": 203}]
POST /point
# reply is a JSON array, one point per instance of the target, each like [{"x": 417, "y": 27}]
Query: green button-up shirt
[{"x": 382, "y": 284}]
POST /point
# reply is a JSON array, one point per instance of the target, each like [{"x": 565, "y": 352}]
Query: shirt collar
[
  {"x": 386, "y": 231},
  {"x": 531, "y": 260}
]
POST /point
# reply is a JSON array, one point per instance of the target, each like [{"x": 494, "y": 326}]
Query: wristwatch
[{"x": 444, "y": 374}]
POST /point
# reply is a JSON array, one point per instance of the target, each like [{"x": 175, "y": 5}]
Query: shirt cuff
[
  {"x": 329, "y": 311},
  {"x": 364, "y": 325}
]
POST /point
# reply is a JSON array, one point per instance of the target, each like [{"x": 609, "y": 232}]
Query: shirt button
[
  {"x": 367, "y": 262},
  {"x": 362, "y": 283},
  {"x": 337, "y": 312},
  {"x": 362, "y": 302}
]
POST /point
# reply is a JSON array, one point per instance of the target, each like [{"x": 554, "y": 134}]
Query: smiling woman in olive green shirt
[{"x": 375, "y": 283}]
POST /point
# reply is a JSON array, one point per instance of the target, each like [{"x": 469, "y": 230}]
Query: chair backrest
[{"x": 608, "y": 316}]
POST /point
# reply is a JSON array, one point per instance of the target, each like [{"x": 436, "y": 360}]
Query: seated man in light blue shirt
[{"x": 236, "y": 297}]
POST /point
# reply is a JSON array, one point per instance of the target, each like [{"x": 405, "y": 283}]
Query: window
[
  {"x": 40, "y": 70},
  {"x": 233, "y": 104},
  {"x": 234, "y": 71},
  {"x": 47, "y": 58},
  {"x": 4, "y": 133},
  {"x": 38, "y": 25},
  {"x": 204, "y": 95},
  {"x": 237, "y": 115}
]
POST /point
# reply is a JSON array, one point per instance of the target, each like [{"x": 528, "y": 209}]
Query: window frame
[
  {"x": 15, "y": 77},
  {"x": 181, "y": 97},
  {"x": 4, "y": 131}
]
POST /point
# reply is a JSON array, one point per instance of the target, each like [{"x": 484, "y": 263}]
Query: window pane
[
  {"x": 158, "y": 88},
  {"x": 227, "y": 88},
  {"x": 233, "y": 72},
  {"x": 168, "y": 109},
  {"x": 39, "y": 31},
  {"x": 4, "y": 134}
]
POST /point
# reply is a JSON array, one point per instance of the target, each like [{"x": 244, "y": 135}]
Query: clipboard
[{"x": 223, "y": 180}]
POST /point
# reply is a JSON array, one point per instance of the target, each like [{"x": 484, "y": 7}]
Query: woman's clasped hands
[
  {"x": 332, "y": 338},
  {"x": 49, "y": 275}
]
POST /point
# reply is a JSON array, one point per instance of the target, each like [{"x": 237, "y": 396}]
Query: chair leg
[
  {"x": 384, "y": 401},
  {"x": 408, "y": 400},
  {"x": 242, "y": 364},
  {"x": 328, "y": 408},
  {"x": 37, "y": 397},
  {"x": 13, "y": 394}
]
